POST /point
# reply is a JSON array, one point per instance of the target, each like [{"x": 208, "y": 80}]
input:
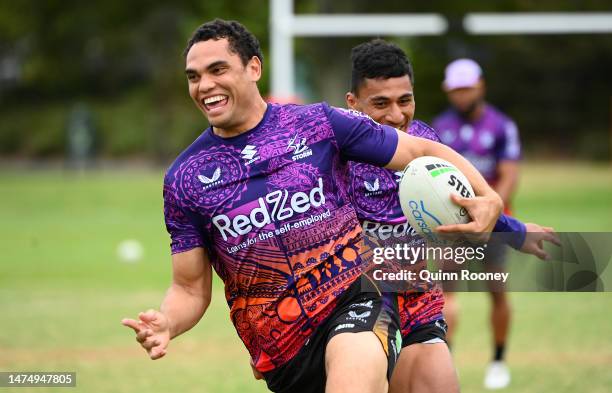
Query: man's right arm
[
  {"x": 189, "y": 295},
  {"x": 184, "y": 304}
]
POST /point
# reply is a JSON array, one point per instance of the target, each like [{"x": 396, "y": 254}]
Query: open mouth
[{"x": 215, "y": 102}]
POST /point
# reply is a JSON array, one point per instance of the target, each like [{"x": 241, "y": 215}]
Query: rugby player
[
  {"x": 382, "y": 86},
  {"x": 489, "y": 139},
  {"x": 261, "y": 197}
]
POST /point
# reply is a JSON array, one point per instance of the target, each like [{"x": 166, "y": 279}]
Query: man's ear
[
  {"x": 351, "y": 100},
  {"x": 482, "y": 87},
  {"x": 254, "y": 68}
]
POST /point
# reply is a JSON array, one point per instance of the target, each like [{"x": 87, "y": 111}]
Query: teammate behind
[{"x": 382, "y": 87}]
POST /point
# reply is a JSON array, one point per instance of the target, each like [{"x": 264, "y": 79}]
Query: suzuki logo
[{"x": 249, "y": 152}]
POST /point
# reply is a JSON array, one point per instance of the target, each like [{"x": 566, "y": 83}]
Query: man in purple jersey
[
  {"x": 261, "y": 197},
  {"x": 489, "y": 140},
  {"x": 382, "y": 87}
]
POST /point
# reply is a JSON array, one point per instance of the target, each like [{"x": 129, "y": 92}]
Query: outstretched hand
[
  {"x": 534, "y": 240},
  {"x": 152, "y": 332}
]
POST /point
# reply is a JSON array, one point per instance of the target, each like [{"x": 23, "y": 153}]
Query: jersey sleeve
[
  {"x": 360, "y": 138},
  {"x": 184, "y": 234},
  {"x": 514, "y": 227},
  {"x": 510, "y": 148}
]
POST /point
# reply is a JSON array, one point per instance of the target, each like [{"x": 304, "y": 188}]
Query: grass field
[{"x": 63, "y": 291}]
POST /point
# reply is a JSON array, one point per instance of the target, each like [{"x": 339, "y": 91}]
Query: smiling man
[{"x": 261, "y": 197}]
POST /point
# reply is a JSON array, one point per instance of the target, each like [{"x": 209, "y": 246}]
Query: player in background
[
  {"x": 489, "y": 139},
  {"x": 261, "y": 197},
  {"x": 382, "y": 86}
]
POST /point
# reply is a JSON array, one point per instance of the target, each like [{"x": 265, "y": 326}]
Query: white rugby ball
[{"x": 424, "y": 193}]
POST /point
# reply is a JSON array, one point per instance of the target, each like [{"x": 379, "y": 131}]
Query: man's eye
[
  {"x": 380, "y": 104},
  {"x": 217, "y": 71}
]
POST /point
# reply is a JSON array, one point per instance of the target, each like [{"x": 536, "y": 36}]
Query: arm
[
  {"x": 184, "y": 304},
  {"x": 189, "y": 295},
  {"x": 508, "y": 172}
]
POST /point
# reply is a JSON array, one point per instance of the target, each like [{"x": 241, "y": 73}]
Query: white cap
[{"x": 461, "y": 73}]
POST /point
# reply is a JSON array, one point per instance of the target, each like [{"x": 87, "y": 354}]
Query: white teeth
[{"x": 213, "y": 99}]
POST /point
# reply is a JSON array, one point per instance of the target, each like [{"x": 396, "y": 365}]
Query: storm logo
[{"x": 299, "y": 147}]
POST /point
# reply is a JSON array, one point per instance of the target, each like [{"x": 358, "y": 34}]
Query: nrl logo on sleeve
[
  {"x": 249, "y": 153},
  {"x": 299, "y": 147}
]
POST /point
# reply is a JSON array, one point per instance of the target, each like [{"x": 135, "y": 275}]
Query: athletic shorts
[
  {"x": 356, "y": 312},
  {"x": 429, "y": 333}
]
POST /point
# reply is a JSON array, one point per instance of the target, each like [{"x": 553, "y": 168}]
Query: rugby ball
[{"x": 424, "y": 193}]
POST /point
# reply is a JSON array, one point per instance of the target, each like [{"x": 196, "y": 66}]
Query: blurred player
[
  {"x": 261, "y": 197},
  {"x": 382, "y": 87},
  {"x": 490, "y": 140}
]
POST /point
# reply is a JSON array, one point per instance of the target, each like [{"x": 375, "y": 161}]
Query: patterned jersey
[
  {"x": 487, "y": 141},
  {"x": 374, "y": 193},
  {"x": 270, "y": 206}
]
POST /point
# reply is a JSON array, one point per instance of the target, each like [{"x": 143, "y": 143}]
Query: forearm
[{"x": 183, "y": 307}]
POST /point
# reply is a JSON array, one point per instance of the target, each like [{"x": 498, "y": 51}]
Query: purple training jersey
[
  {"x": 485, "y": 142},
  {"x": 270, "y": 206}
]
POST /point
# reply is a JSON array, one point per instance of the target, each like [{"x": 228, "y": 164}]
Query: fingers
[
  {"x": 143, "y": 335},
  {"x": 151, "y": 341},
  {"x": 540, "y": 252},
  {"x": 150, "y": 316},
  {"x": 453, "y": 228},
  {"x": 134, "y": 325},
  {"x": 459, "y": 200},
  {"x": 551, "y": 236},
  {"x": 150, "y": 344},
  {"x": 157, "y": 353}
]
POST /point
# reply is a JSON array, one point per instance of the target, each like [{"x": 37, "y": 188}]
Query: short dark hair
[
  {"x": 378, "y": 59},
  {"x": 241, "y": 41}
]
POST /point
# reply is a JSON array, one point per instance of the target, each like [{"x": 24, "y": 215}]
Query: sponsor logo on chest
[{"x": 275, "y": 206}]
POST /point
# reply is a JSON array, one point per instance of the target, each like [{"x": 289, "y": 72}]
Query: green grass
[{"x": 63, "y": 291}]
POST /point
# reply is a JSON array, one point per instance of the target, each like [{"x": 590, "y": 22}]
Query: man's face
[
  {"x": 387, "y": 101},
  {"x": 219, "y": 84},
  {"x": 466, "y": 99}
]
